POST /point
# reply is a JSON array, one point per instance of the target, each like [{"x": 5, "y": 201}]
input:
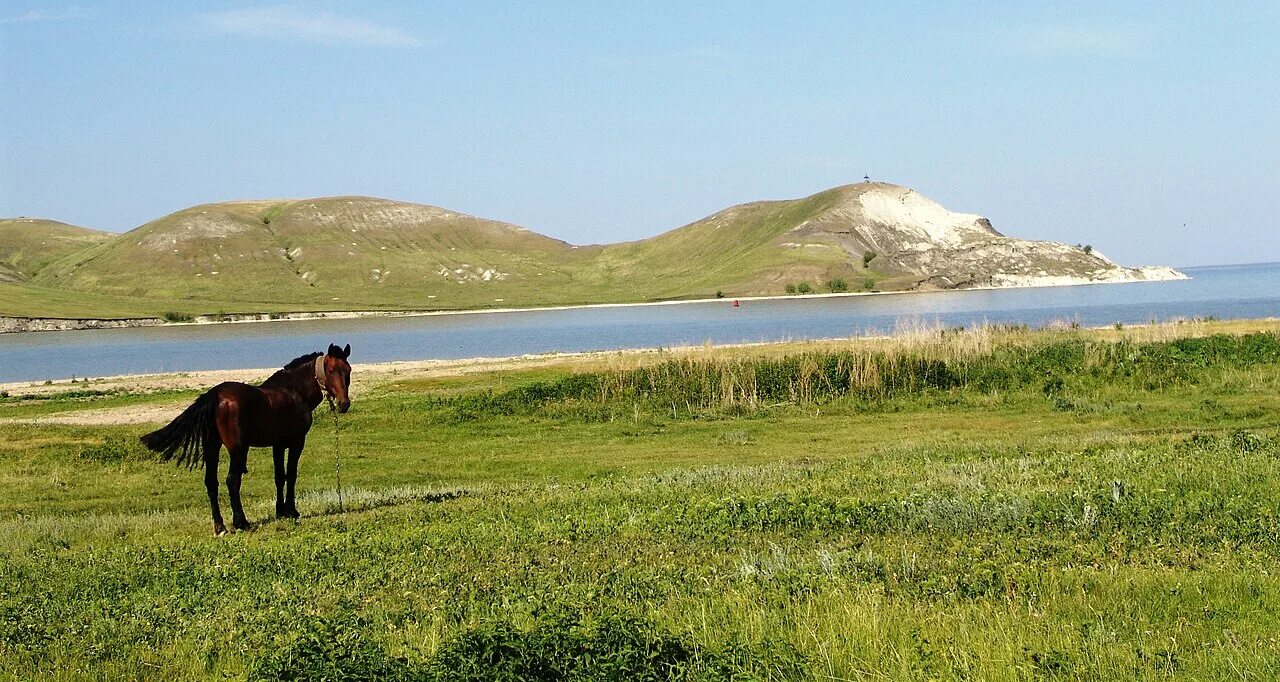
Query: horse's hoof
[
  {"x": 241, "y": 525},
  {"x": 293, "y": 514},
  {"x": 219, "y": 530}
]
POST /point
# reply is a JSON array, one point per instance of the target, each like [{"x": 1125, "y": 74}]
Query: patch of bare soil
[{"x": 111, "y": 416}]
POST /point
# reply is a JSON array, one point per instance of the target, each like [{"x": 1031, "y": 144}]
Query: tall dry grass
[{"x": 917, "y": 357}]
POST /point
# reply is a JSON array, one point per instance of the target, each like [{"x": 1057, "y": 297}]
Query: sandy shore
[{"x": 362, "y": 374}]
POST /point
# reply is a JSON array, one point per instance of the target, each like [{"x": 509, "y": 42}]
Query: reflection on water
[{"x": 1228, "y": 292}]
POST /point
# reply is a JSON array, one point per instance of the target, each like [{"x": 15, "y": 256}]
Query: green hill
[
  {"x": 330, "y": 253},
  {"x": 359, "y": 252},
  {"x": 27, "y": 245},
  {"x": 345, "y": 253}
]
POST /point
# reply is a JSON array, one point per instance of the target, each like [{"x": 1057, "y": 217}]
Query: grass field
[
  {"x": 986, "y": 504},
  {"x": 22, "y": 299}
]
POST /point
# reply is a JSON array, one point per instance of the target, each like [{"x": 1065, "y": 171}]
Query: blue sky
[{"x": 1151, "y": 131}]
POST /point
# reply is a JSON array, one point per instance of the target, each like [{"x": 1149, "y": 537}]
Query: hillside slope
[
  {"x": 332, "y": 252},
  {"x": 343, "y": 253},
  {"x": 27, "y": 245},
  {"x": 923, "y": 245},
  {"x": 870, "y": 234}
]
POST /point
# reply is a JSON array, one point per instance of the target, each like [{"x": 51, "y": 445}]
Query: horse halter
[{"x": 321, "y": 375}]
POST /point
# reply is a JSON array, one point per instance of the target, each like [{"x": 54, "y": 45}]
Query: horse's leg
[
  {"x": 211, "y": 448},
  {"x": 239, "y": 457},
  {"x": 277, "y": 457},
  {"x": 291, "y": 478}
]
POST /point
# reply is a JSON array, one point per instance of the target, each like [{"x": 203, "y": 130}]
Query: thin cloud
[
  {"x": 1084, "y": 41},
  {"x": 315, "y": 27},
  {"x": 36, "y": 16}
]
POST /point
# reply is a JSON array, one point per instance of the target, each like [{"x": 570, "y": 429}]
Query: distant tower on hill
[{"x": 866, "y": 178}]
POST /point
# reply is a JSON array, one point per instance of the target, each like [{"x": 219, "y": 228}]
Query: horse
[{"x": 274, "y": 414}]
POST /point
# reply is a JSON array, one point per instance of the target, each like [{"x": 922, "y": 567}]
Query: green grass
[
  {"x": 29, "y": 244},
  {"x": 23, "y": 299},
  {"x": 981, "y": 505}
]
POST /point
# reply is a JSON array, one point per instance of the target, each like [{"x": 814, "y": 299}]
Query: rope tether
[
  {"x": 321, "y": 376},
  {"x": 337, "y": 458}
]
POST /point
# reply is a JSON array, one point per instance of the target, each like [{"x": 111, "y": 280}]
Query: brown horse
[{"x": 276, "y": 414}]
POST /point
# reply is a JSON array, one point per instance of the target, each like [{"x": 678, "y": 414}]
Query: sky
[{"x": 1149, "y": 130}]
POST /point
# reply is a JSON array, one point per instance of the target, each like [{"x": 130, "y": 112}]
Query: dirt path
[{"x": 110, "y": 416}]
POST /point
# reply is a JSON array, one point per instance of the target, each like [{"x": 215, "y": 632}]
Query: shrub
[
  {"x": 176, "y": 317},
  {"x": 336, "y": 649},
  {"x": 837, "y": 285},
  {"x": 569, "y": 645},
  {"x": 736, "y": 437},
  {"x": 803, "y": 288},
  {"x": 565, "y": 647},
  {"x": 867, "y": 257},
  {"x": 790, "y": 288}
]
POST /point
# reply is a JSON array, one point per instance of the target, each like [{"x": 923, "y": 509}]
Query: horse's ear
[
  {"x": 334, "y": 350},
  {"x": 346, "y": 352}
]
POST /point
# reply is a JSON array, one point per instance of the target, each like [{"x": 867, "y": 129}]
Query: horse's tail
[{"x": 184, "y": 438}]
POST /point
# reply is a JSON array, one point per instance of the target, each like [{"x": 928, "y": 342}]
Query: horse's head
[{"x": 337, "y": 375}]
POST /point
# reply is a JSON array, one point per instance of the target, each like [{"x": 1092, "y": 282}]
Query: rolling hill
[
  {"x": 333, "y": 252},
  {"x": 27, "y": 245},
  {"x": 345, "y": 253}
]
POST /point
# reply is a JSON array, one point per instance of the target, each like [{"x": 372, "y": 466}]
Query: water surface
[{"x": 1225, "y": 292}]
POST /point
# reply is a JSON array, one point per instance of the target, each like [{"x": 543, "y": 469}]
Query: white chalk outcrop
[{"x": 913, "y": 235}]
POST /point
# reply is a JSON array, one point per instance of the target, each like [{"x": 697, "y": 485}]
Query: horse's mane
[{"x": 282, "y": 375}]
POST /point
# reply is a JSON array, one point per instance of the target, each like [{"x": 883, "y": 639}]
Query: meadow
[{"x": 980, "y": 504}]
